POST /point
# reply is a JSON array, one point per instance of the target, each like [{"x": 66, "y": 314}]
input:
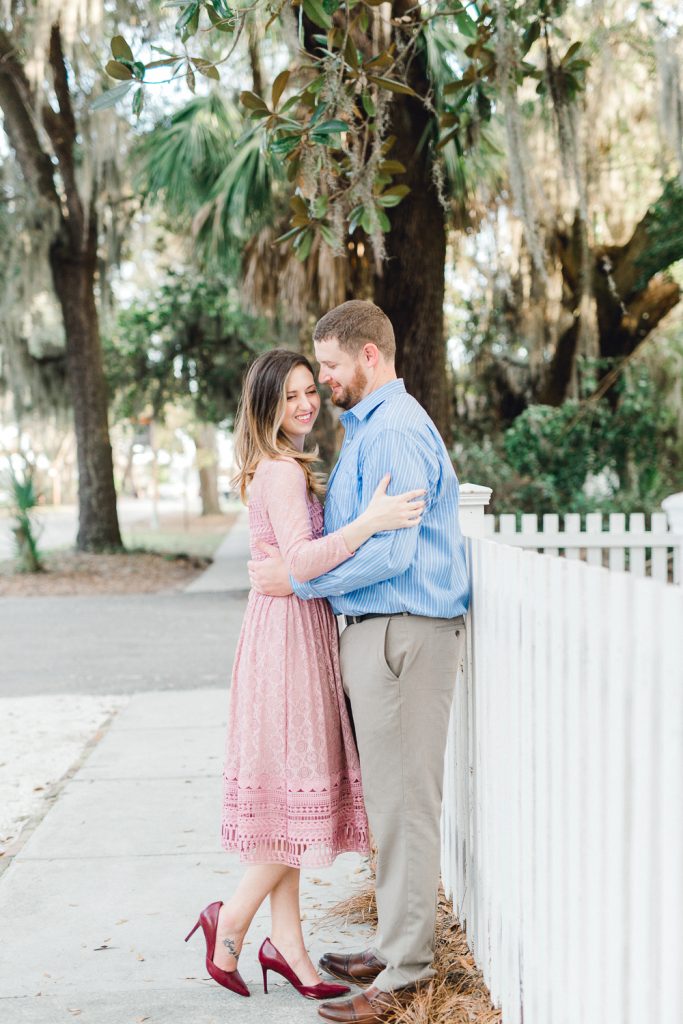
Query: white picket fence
[
  {"x": 616, "y": 540},
  {"x": 563, "y": 803}
]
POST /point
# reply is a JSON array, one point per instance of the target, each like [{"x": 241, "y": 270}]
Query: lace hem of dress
[{"x": 273, "y": 826}]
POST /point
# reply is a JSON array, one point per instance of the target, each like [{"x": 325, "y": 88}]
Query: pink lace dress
[{"x": 291, "y": 787}]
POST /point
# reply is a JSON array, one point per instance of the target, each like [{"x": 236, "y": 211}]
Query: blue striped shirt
[{"x": 419, "y": 569}]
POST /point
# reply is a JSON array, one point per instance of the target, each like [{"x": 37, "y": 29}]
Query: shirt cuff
[{"x": 302, "y": 590}]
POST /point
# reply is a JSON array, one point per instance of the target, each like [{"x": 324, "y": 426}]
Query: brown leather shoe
[
  {"x": 355, "y": 968},
  {"x": 370, "y": 1007}
]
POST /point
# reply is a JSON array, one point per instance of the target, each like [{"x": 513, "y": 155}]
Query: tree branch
[
  {"x": 15, "y": 101},
  {"x": 61, "y": 127}
]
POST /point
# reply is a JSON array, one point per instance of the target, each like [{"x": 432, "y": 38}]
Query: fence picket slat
[
  {"x": 617, "y": 556},
  {"x": 636, "y": 552},
  {"x": 572, "y": 525},
  {"x": 593, "y": 527},
  {"x": 551, "y": 524}
]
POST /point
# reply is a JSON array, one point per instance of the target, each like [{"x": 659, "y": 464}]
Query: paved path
[
  {"x": 95, "y": 906},
  {"x": 121, "y": 644},
  {"x": 108, "y": 877}
]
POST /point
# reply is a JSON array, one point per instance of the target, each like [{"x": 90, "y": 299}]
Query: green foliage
[
  {"x": 583, "y": 456},
  {"x": 190, "y": 343},
  {"x": 664, "y": 233},
  {"x": 23, "y": 501},
  {"x": 325, "y": 118},
  {"x": 209, "y": 175}
]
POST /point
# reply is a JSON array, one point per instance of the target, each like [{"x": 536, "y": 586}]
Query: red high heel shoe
[
  {"x": 208, "y": 919},
  {"x": 271, "y": 960}
]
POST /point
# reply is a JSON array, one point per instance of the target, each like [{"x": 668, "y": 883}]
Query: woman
[{"x": 292, "y": 786}]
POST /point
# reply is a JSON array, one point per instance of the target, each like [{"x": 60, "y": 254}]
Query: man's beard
[{"x": 351, "y": 395}]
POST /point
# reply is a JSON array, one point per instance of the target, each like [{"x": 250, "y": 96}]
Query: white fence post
[
  {"x": 473, "y": 502},
  {"x": 459, "y": 820},
  {"x": 673, "y": 506}
]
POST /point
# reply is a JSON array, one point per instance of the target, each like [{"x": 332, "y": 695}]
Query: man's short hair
[{"x": 354, "y": 324}]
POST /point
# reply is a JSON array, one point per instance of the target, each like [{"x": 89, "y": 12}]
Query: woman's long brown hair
[{"x": 258, "y": 430}]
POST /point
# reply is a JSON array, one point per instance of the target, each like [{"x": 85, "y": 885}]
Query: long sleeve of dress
[{"x": 285, "y": 499}]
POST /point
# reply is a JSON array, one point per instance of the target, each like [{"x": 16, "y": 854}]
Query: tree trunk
[
  {"x": 410, "y": 288},
  {"x": 207, "y": 465},
  {"x": 73, "y": 271},
  {"x": 72, "y": 261}
]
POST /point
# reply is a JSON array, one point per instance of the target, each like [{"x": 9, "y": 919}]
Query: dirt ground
[{"x": 173, "y": 555}]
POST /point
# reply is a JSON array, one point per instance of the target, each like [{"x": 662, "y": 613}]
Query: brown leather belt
[{"x": 352, "y": 620}]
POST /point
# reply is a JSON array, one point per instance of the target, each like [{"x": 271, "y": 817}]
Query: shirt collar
[{"x": 362, "y": 410}]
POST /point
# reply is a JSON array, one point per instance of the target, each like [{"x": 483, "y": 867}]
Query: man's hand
[{"x": 271, "y": 576}]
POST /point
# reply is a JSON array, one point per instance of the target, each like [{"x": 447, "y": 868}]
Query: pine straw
[{"x": 457, "y": 995}]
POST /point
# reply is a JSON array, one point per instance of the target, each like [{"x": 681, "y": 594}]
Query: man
[{"x": 403, "y": 595}]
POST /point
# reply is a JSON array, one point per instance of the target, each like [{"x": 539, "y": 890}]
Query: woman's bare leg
[
  {"x": 286, "y": 934},
  {"x": 237, "y": 914}
]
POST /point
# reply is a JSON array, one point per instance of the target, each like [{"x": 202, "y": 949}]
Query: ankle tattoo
[{"x": 231, "y": 948}]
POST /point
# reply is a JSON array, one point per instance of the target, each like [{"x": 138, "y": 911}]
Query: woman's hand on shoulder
[{"x": 395, "y": 511}]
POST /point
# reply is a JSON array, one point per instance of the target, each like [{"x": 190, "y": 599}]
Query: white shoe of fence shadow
[
  {"x": 563, "y": 803},
  {"x": 616, "y": 541}
]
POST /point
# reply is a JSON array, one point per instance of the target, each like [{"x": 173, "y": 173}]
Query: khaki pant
[{"x": 399, "y": 674}]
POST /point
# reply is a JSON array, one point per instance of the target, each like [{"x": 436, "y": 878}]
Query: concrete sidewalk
[
  {"x": 228, "y": 570},
  {"x": 96, "y": 903}
]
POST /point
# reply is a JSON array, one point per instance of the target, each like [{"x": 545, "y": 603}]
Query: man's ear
[{"x": 371, "y": 354}]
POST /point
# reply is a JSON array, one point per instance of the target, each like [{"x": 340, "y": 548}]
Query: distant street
[
  {"x": 59, "y": 524},
  {"x": 119, "y": 644}
]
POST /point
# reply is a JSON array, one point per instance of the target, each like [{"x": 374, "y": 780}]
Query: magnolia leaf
[
  {"x": 571, "y": 51},
  {"x": 165, "y": 63},
  {"x": 302, "y": 244},
  {"x": 190, "y": 79},
  {"x": 279, "y": 86},
  {"x": 252, "y": 101},
  {"x": 397, "y": 190},
  {"x": 392, "y": 167},
  {"x": 209, "y": 71},
  {"x": 466, "y": 25},
  {"x": 222, "y": 24},
  {"x": 284, "y": 145},
  {"x": 320, "y": 204},
  {"x": 392, "y": 85},
  {"x": 120, "y": 49},
  {"x": 138, "y": 101},
  {"x": 298, "y": 205},
  {"x": 187, "y": 16},
  {"x": 222, "y": 8},
  {"x": 384, "y": 221},
  {"x": 329, "y": 236},
  {"x": 531, "y": 34},
  {"x": 315, "y": 12},
  {"x": 382, "y": 60},
  {"x": 287, "y": 235},
  {"x": 388, "y": 201},
  {"x": 115, "y": 69},
  {"x": 456, "y": 86},
  {"x": 351, "y": 53},
  {"x": 368, "y": 104},
  {"x": 331, "y": 127},
  {"x": 192, "y": 26},
  {"x": 111, "y": 96}
]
